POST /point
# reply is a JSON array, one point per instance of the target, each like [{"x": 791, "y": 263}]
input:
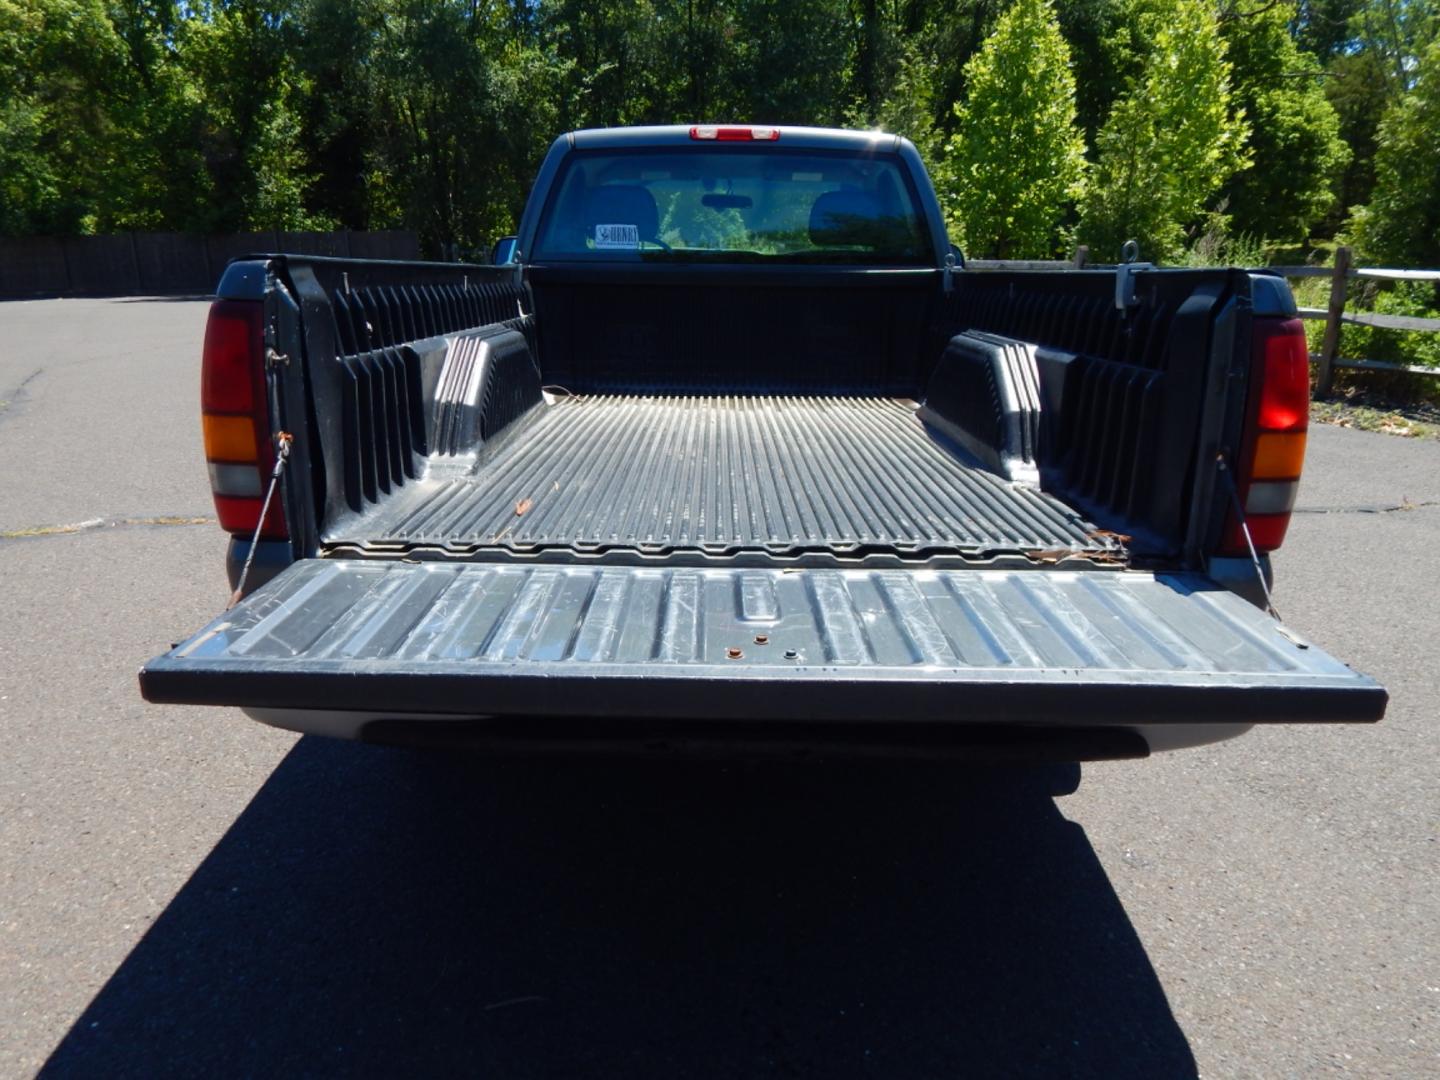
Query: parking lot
[{"x": 183, "y": 891}]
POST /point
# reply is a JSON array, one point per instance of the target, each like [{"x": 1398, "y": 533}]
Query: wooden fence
[
  {"x": 1328, "y": 358},
  {"x": 138, "y": 264}
]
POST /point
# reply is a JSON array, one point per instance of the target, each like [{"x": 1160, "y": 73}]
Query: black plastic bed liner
[{"x": 724, "y": 475}]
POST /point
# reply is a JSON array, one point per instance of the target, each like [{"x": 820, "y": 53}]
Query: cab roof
[{"x": 803, "y": 138}]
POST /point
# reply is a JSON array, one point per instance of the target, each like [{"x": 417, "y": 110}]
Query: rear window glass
[{"x": 723, "y": 204}]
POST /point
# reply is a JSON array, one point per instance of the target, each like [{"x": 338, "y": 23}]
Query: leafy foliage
[
  {"x": 434, "y": 114},
  {"x": 1018, "y": 157},
  {"x": 1370, "y": 55},
  {"x": 1296, "y": 153},
  {"x": 1169, "y": 143},
  {"x": 53, "y": 125},
  {"x": 1401, "y": 224}
]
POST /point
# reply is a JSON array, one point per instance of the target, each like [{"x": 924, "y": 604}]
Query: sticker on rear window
[{"x": 617, "y": 236}]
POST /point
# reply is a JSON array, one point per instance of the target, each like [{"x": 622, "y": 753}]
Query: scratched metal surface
[
  {"x": 722, "y": 475},
  {"x": 931, "y": 644}
]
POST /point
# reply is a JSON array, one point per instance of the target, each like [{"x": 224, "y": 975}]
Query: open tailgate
[{"x": 1052, "y": 647}]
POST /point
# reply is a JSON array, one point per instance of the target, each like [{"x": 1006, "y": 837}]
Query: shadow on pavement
[
  {"x": 162, "y": 298},
  {"x": 118, "y": 297},
  {"x": 377, "y": 911}
]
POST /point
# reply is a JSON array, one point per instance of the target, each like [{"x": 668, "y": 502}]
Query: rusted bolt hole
[
  {"x": 734, "y": 653},
  {"x": 762, "y": 639}
]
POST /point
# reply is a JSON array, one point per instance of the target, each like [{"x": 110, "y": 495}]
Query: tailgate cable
[
  {"x": 1224, "y": 468},
  {"x": 283, "y": 440}
]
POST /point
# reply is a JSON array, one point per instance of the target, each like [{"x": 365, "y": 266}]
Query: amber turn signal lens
[
  {"x": 1279, "y": 456},
  {"x": 229, "y": 438}
]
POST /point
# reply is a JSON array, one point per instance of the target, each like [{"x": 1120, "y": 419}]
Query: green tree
[
  {"x": 1359, "y": 90},
  {"x": 466, "y": 98},
  {"x": 1296, "y": 153},
  {"x": 240, "y": 55},
  {"x": 614, "y": 69},
  {"x": 1371, "y": 53},
  {"x": 1017, "y": 158},
  {"x": 907, "y": 107},
  {"x": 154, "y": 169},
  {"x": 1169, "y": 143},
  {"x": 786, "y": 58},
  {"x": 701, "y": 35},
  {"x": 433, "y": 114},
  {"x": 1107, "y": 45},
  {"x": 335, "y": 50},
  {"x": 955, "y": 33},
  {"x": 1400, "y": 226},
  {"x": 1323, "y": 28},
  {"x": 55, "y": 120}
]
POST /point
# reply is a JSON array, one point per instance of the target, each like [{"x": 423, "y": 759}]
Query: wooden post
[
  {"x": 1330, "y": 349},
  {"x": 1082, "y": 256}
]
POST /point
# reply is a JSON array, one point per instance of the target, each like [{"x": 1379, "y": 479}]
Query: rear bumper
[
  {"x": 684, "y": 738},
  {"x": 601, "y": 737},
  {"x": 271, "y": 557},
  {"x": 1238, "y": 575}
]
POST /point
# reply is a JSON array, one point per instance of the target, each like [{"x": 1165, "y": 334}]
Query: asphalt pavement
[{"x": 186, "y": 892}]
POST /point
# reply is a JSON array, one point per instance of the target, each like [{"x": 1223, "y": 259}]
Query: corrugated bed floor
[{"x": 724, "y": 475}]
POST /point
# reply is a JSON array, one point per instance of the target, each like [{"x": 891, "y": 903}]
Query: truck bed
[
  {"x": 721, "y": 476},
  {"x": 734, "y": 528}
]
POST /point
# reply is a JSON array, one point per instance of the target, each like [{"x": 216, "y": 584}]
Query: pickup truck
[{"x": 730, "y": 453}]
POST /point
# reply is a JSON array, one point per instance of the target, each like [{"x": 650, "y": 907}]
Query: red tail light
[
  {"x": 1272, "y": 448},
  {"x": 235, "y": 416}
]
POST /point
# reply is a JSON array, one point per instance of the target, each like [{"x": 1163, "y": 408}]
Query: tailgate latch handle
[{"x": 1125, "y": 276}]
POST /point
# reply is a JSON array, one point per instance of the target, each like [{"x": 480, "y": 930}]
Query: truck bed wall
[
  {"x": 1122, "y": 449},
  {"x": 374, "y": 339},
  {"x": 679, "y": 329}
]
